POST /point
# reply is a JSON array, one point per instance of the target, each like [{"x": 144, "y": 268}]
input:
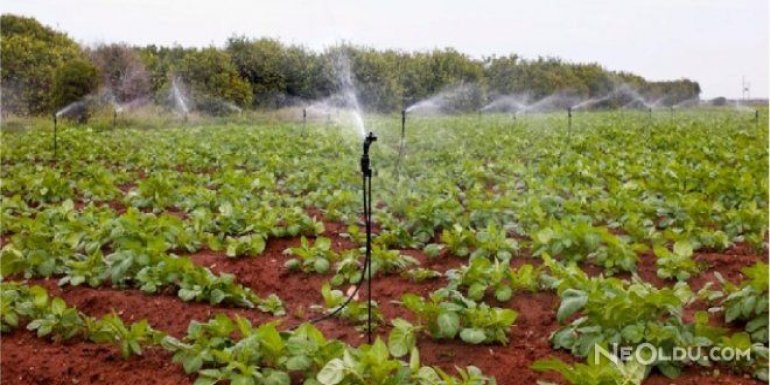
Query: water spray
[
  {"x": 401, "y": 145},
  {"x": 366, "y": 172}
]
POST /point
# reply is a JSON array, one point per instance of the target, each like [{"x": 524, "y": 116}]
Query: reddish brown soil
[{"x": 29, "y": 360}]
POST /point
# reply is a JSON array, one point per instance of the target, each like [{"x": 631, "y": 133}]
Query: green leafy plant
[
  {"x": 355, "y": 311},
  {"x": 459, "y": 241},
  {"x": 493, "y": 242},
  {"x": 130, "y": 338},
  {"x": 602, "y": 372},
  {"x": 526, "y": 278},
  {"x": 749, "y": 301},
  {"x": 677, "y": 263},
  {"x": 316, "y": 258},
  {"x": 480, "y": 275},
  {"x": 577, "y": 240},
  {"x": 420, "y": 274},
  {"x": 447, "y": 314}
]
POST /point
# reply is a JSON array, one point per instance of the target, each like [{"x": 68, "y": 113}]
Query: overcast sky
[{"x": 715, "y": 42}]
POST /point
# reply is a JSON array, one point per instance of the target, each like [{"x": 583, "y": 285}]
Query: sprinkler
[
  {"x": 649, "y": 111},
  {"x": 366, "y": 173},
  {"x": 114, "y": 117},
  {"x": 304, "y": 122},
  {"x": 54, "y": 136},
  {"x": 569, "y": 118},
  {"x": 756, "y": 116},
  {"x": 401, "y": 145}
]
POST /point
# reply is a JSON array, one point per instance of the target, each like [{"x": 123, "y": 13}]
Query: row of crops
[{"x": 126, "y": 208}]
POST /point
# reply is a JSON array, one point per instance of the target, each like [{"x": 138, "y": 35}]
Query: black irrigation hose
[
  {"x": 367, "y": 262},
  {"x": 368, "y": 258},
  {"x": 367, "y": 195}
]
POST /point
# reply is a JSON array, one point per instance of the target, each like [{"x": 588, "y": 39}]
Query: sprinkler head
[
  {"x": 368, "y": 140},
  {"x": 403, "y": 116}
]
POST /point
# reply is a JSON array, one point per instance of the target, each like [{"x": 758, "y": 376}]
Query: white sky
[{"x": 714, "y": 42}]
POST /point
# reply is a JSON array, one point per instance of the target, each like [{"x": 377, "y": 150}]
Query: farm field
[{"x": 504, "y": 249}]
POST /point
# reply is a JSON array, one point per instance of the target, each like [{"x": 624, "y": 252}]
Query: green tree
[
  {"x": 31, "y": 55},
  {"x": 212, "y": 77},
  {"x": 74, "y": 80}
]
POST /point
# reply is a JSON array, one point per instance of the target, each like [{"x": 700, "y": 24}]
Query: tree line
[{"x": 44, "y": 70}]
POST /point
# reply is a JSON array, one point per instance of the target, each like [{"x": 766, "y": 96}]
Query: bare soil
[{"x": 27, "y": 359}]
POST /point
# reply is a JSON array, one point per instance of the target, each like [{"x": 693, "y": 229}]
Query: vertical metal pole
[
  {"x": 304, "y": 122},
  {"x": 401, "y": 144},
  {"x": 369, "y": 256},
  {"x": 55, "y": 145},
  {"x": 114, "y": 118},
  {"x": 569, "y": 118},
  {"x": 366, "y": 172}
]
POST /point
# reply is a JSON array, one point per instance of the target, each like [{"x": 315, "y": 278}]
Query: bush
[
  {"x": 31, "y": 56},
  {"x": 73, "y": 81},
  {"x": 210, "y": 73}
]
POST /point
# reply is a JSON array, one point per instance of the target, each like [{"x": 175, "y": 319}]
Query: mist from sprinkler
[
  {"x": 73, "y": 109},
  {"x": 443, "y": 102},
  {"x": 348, "y": 93},
  {"x": 507, "y": 103},
  {"x": 178, "y": 99}
]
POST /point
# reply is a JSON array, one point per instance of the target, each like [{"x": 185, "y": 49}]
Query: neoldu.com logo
[{"x": 649, "y": 354}]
